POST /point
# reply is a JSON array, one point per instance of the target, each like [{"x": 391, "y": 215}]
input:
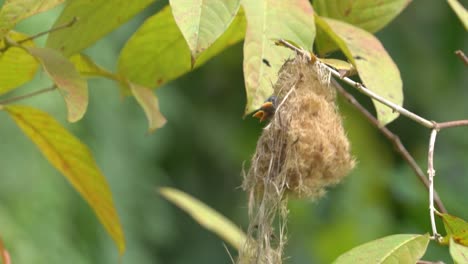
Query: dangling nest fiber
[{"x": 302, "y": 151}]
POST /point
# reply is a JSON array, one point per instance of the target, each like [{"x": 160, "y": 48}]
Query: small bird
[{"x": 267, "y": 110}]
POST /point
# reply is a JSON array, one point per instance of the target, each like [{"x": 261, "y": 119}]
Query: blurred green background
[{"x": 202, "y": 148}]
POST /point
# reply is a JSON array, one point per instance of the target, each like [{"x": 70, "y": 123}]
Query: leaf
[
  {"x": 14, "y": 11},
  {"x": 157, "y": 52},
  {"x": 458, "y": 252},
  {"x": 149, "y": 102},
  {"x": 17, "y": 66},
  {"x": 96, "y": 18},
  {"x": 376, "y": 68},
  {"x": 456, "y": 228},
  {"x": 4, "y": 255},
  {"x": 460, "y": 11},
  {"x": 402, "y": 248},
  {"x": 268, "y": 20},
  {"x": 369, "y": 15},
  {"x": 73, "y": 88},
  {"x": 87, "y": 68},
  {"x": 74, "y": 160},
  {"x": 206, "y": 217},
  {"x": 203, "y": 21}
]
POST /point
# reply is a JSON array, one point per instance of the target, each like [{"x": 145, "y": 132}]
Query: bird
[{"x": 267, "y": 109}]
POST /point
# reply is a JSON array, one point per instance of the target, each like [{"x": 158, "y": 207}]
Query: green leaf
[
  {"x": 369, "y": 15},
  {"x": 402, "y": 248},
  {"x": 14, "y": 11},
  {"x": 206, "y": 217},
  {"x": 74, "y": 160},
  {"x": 96, "y": 18},
  {"x": 203, "y": 21},
  {"x": 73, "y": 88},
  {"x": 17, "y": 66},
  {"x": 458, "y": 252},
  {"x": 456, "y": 228},
  {"x": 157, "y": 52},
  {"x": 269, "y": 20},
  {"x": 376, "y": 68},
  {"x": 460, "y": 11},
  {"x": 87, "y": 68},
  {"x": 149, "y": 102}
]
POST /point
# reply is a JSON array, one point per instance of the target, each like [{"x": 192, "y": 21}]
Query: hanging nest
[{"x": 303, "y": 150}]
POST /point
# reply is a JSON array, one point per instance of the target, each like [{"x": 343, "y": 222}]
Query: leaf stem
[{"x": 25, "y": 96}]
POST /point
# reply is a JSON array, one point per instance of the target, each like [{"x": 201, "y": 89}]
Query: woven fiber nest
[{"x": 301, "y": 152}]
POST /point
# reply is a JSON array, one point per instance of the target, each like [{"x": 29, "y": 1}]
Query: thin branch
[
  {"x": 25, "y": 96},
  {"x": 399, "y": 147},
  {"x": 59, "y": 27},
  {"x": 462, "y": 56},
  {"x": 449, "y": 124},
  {"x": 431, "y": 174},
  {"x": 361, "y": 87}
]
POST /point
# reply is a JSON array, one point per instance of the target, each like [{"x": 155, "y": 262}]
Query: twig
[
  {"x": 462, "y": 56},
  {"x": 60, "y": 27},
  {"x": 399, "y": 147},
  {"x": 24, "y": 96},
  {"x": 431, "y": 173},
  {"x": 449, "y": 124}
]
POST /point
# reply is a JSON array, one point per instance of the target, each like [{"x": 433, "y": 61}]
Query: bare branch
[
  {"x": 399, "y": 147},
  {"x": 462, "y": 56},
  {"x": 59, "y": 27},
  {"x": 431, "y": 174},
  {"x": 449, "y": 124},
  {"x": 24, "y": 96}
]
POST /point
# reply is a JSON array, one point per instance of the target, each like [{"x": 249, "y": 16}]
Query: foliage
[{"x": 177, "y": 39}]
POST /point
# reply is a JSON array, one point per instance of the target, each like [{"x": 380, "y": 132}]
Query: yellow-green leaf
[
  {"x": 149, "y": 102},
  {"x": 87, "y": 68},
  {"x": 157, "y": 52},
  {"x": 267, "y": 21},
  {"x": 206, "y": 217},
  {"x": 403, "y": 248},
  {"x": 376, "y": 68},
  {"x": 96, "y": 18},
  {"x": 458, "y": 252},
  {"x": 203, "y": 21},
  {"x": 73, "y": 88},
  {"x": 456, "y": 228},
  {"x": 460, "y": 11},
  {"x": 14, "y": 11},
  {"x": 17, "y": 66},
  {"x": 369, "y": 15},
  {"x": 74, "y": 160}
]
